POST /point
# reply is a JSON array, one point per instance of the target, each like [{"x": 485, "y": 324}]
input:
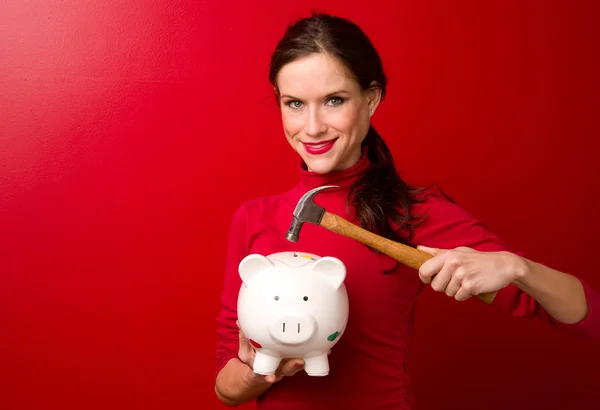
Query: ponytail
[{"x": 381, "y": 197}]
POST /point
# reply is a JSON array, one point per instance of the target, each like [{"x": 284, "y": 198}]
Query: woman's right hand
[{"x": 287, "y": 367}]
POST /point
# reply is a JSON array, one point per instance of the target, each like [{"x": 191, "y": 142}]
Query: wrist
[
  {"x": 237, "y": 383},
  {"x": 522, "y": 270}
]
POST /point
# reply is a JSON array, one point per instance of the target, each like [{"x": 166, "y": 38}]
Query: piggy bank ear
[
  {"x": 251, "y": 265},
  {"x": 332, "y": 269}
]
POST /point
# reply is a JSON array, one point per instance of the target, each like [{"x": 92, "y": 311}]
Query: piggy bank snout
[{"x": 292, "y": 330}]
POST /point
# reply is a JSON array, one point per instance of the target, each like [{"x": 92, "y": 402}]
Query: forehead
[{"x": 314, "y": 75}]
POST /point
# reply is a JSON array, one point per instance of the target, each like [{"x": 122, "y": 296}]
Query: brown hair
[{"x": 380, "y": 195}]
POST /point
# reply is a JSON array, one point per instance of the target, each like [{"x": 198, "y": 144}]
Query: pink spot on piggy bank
[
  {"x": 296, "y": 304},
  {"x": 255, "y": 344}
]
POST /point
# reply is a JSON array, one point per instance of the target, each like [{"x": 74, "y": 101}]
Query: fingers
[
  {"x": 441, "y": 279},
  {"x": 431, "y": 267},
  {"x": 273, "y": 378},
  {"x": 242, "y": 336},
  {"x": 454, "y": 272},
  {"x": 438, "y": 251},
  {"x": 444, "y": 271},
  {"x": 287, "y": 368},
  {"x": 246, "y": 351},
  {"x": 291, "y": 367},
  {"x": 463, "y": 294},
  {"x": 429, "y": 250},
  {"x": 453, "y": 286},
  {"x": 243, "y": 340}
]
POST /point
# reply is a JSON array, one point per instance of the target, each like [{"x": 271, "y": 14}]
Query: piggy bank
[{"x": 292, "y": 305}]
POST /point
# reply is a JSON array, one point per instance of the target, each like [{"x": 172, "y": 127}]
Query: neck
[{"x": 343, "y": 178}]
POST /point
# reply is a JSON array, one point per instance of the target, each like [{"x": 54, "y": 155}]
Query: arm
[
  {"x": 561, "y": 299},
  {"x": 235, "y": 382},
  {"x": 525, "y": 288},
  {"x": 560, "y": 294},
  {"x": 235, "y": 390},
  {"x": 469, "y": 259}
]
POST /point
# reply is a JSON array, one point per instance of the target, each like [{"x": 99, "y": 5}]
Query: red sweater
[{"x": 368, "y": 365}]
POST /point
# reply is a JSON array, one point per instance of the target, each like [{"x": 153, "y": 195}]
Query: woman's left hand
[{"x": 463, "y": 272}]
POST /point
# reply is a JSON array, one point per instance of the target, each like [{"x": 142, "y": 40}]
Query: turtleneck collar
[{"x": 343, "y": 178}]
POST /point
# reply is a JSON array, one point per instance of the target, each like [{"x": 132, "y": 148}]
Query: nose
[
  {"x": 315, "y": 125},
  {"x": 293, "y": 330}
]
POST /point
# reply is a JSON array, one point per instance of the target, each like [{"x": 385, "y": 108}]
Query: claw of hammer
[{"x": 308, "y": 211}]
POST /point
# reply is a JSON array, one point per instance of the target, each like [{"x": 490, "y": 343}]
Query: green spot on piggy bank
[{"x": 333, "y": 336}]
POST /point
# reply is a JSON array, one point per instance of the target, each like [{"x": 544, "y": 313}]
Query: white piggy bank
[{"x": 292, "y": 305}]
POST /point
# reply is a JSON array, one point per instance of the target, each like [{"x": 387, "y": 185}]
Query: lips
[{"x": 319, "y": 148}]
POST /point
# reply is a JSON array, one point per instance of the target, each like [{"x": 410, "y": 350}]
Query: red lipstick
[{"x": 318, "y": 148}]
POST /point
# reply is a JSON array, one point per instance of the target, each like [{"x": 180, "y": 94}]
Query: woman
[{"x": 329, "y": 80}]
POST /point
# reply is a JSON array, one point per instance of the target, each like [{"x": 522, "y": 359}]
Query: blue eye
[{"x": 335, "y": 101}]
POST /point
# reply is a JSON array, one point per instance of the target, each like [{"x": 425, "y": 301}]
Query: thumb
[
  {"x": 242, "y": 337},
  {"x": 245, "y": 348},
  {"x": 244, "y": 342},
  {"x": 431, "y": 251}
]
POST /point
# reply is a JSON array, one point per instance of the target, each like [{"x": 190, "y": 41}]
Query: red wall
[{"x": 130, "y": 132}]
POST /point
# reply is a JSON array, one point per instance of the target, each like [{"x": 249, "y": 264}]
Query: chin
[{"x": 320, "y": 165}]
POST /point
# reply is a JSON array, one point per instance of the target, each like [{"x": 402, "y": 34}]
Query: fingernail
[{"x": 298, "y": 365}]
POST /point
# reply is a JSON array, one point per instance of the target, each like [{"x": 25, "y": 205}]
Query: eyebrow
[{"x": 327, "y": 96}]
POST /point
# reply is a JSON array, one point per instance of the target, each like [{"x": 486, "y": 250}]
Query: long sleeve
[
  {"x": 519, "y": 304},
  {"x": 227, "y": 331},
  {"x": 448, "y": 226}
]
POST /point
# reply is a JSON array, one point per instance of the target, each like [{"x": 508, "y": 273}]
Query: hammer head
[{"x": 306, "y": 211}]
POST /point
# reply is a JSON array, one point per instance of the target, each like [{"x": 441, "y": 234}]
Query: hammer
[{"x": 308, "y": 211}]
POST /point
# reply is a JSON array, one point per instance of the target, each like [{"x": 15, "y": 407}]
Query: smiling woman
[
  {"x": 325, "y": 112},
  {"x": 328, "y": 80}
]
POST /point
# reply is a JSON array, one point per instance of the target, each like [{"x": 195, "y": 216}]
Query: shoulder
[
  {"x": 256, "y": 208},
  {"x": 266, "y": 203},
  {"x": 436, "y": 208},
  {"x": 445, "y": 224}
]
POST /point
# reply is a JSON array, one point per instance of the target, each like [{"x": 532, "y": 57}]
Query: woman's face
[{"x": 325, "y": 112}]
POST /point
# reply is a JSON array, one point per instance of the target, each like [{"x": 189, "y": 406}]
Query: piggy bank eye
[
  {"x": 276, "y": 297},
  {"x": 305, "y": 298}
]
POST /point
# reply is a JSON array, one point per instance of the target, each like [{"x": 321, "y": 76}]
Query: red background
[{"x": 131, "y": 131}]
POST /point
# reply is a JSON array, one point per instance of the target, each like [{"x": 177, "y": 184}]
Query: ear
[
  {"x": 251, "y": 265},
  {"x": 374, "y": 95},
  {"x": 332, "y": 269}
]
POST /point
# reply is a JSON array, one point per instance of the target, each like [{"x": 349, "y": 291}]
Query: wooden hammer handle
[{"x": 404, "y": 254}]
